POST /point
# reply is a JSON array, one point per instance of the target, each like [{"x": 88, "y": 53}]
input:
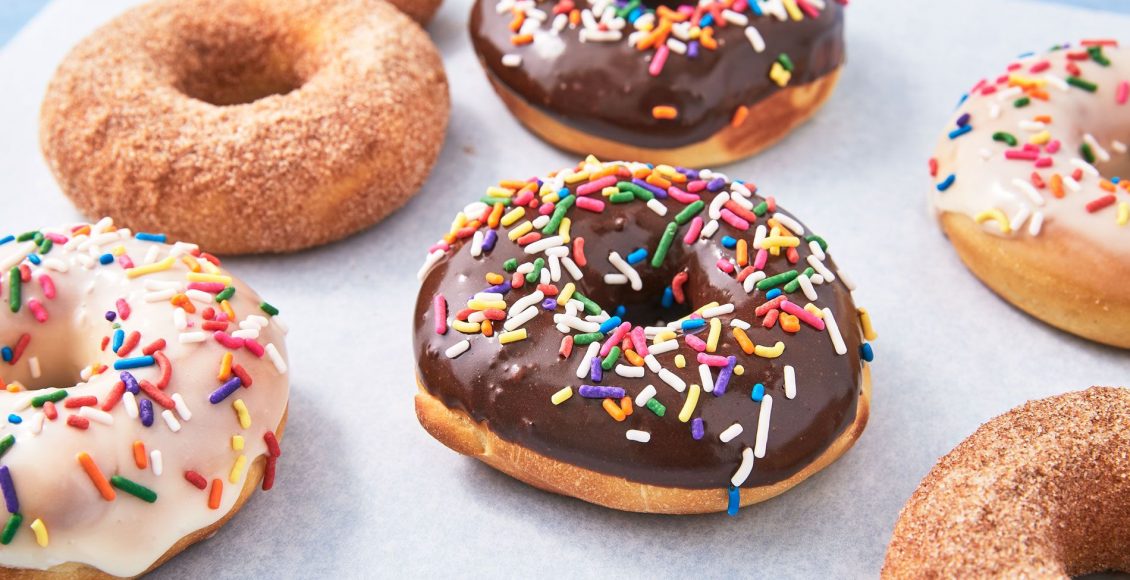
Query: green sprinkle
[
  {"x": 587, "y": 339},
  {"x": 1087, "y": 153},
  {"x": 761, "y": 209},
  {"x": 819, "y": 240},
  {"x": 268, "y": 309},
  {"x": 558, "y": 215},
  {"x": 54, "y": 397},
  {"x": 1005, "y": 138},
  {"x": 664, "y": 244},
  {"x": 45, "y": 245},
  {"x": 689, "y": 212},
  {"x": 535, "y": 274},
  {"x": 777, "y": 280},
  {"x": 621, "y": 197},
  {"x": 627, "y": 10},
  {"x": 640, "y": 192},
  {"x": 6, "y": 444},
  {"x": 1097, "y": 55},
  {"x": 26, "y": 236},
  {"x": 1022, "y": 102},
  {"x": 794, "y": 284},
  {"x": 590, "y": 307},
  {"x": 613, "y": 356},
  {"x": 656, "y": 407},
  {"x": 135, "y": 489},
  {"x": 786, "y": 62},
  {"x": 493, "y": 200},
  {"x": 510, "y": 265},
  {"x": 1082, "y": 84},
  {"x": 14, "y": 283},
  {"x": 225, "y": 294},
  {"x": 11, "y": 528}
]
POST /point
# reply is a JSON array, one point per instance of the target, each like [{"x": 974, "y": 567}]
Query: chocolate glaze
[
  {"x": 509, "y": 387},
  {"x": 604, "y": 89}
]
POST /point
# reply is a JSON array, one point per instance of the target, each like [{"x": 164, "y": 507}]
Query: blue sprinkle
[
  {"x": 611, "y": 323},
  {"x": 1116, "y": 180},
  {"x": 964, "y": 98},
  {"x": 754, "y": 6},
  {"x": 693, "y": 324},
  {"x": 620, "y": 311},
  {"x": 706, "y": 21},
  {"x": 866, "y": 352},
  {"x": 637, "y": 256},
  {"x": 947, "y": 182},
  {"x": 697, "y": 428},
  {"x": 758, "y": 392},
  {"x": 563, "y": 193},
  {"x": 668, "y": 299},
  {"x": 7, "y": 239},
  {"x": 111, "y": 316},
  {"x": 106, "y": 259},
  {"x": 15, "y": 419},
  {"x": 119, "y": 338},
  {"x": 133, "y": 363},
  {"x": 634, "y": 14},
  {"x": 735, "y": 501},
  {"x": 549, "y": 304},
  {"x": 6, "y": 353},
  {"x": 958, "y": 132},
  {"x": 162, "y": 238},
  {"x": 34, "y": 259},
  {"x": 145, "y": 412},
  {"x": 729, "y": 243},
  {"x": 773, "y": 293}
]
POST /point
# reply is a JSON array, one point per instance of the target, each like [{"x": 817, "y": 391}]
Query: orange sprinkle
[
  {"x": 614, "y": 409},
  {"x": 1107, "y": 186},
  {"x": 183, "y": 301},
  {"x": 626, "y": 406},
  {"x": 789, "y": 323},
  {"x": 1057, "y": 185},
  {"x": 610, "y": 170},
  {"x": 487, "y": 328},
  {"x": 96, "y": 476},
  {"x": 664, "y": 112},
  {"x": 740, "y": 116},
  {"x": 191, "y": 263},
  {"x": 641, "y": 173},
  {"x": 670, "y": 15},
  {"x": 575, "y": 17},
  {"x": 521, "y": 39},
  {"x": 657, "y": 180},
  {"x": 743, "y": 253},
  {"x": 139, "y": 457},
  {"x": 1043, "y": 118},
  {"x": 633, "y": 358},
  {"x": 657, "y": 37},
  {"x": 215, "y": 494},
  {"x": 226, "y": 307},
  {"x": 225, "y": 367},
  {"x": 494, "y": 278},
  {"x": 519, "y": 19},
  {"x": 707, "y": 39},
  {"x": 743, "y": 340},
  {"x": 495, "y": 216}
]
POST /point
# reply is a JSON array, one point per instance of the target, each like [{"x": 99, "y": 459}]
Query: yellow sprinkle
[
  {"x": 40, "y": 530},
  {"x": 695, "y": 33},
  {"x": 211, "y": 268},
  {"x": 562, "y": 395},
  {"x": 190, "y": 262},
  {"x": 225, "y": 367},
  {"x": 161, "y": 266},
  {"x": 865, "y": 322},
  {"x": 1123, "y": 213},
  {"x": 512, "y": 336},
  {"x": 609, "y": 191},
  {"x": 715, "y": 333},
  {"x": 237, "y": 442},
  {"x": 466, "y": 327},
  {"x": 237, "y": 469},
  {"x": 814, "y": 310},
  {"x": 592, "y": 160},
  {"x": 494, "y": 278},
  {"x": 769, "y": 351},
  {"x": 780, "y": 241},
  {"x": 1040, "y": 138},
  {"x": 668, "y": 171},
  {"x": 663, "y": 336},
  {"x": 226, "y": 307},
  {"x": 118, "y": 251},
  {"x": 680, "y": 361},
  {"x": 475, "y": 304},
  {"x": 512, "y": 216},
  {"x": 563, "y": 230},
  {"x": 576, "y": 177},
  {"x": 566, "y": 293},
  {"x": 241, "y": 412},
  {"x": 739, "y": 370},
  {"x": 997, "y": 216},
  {"x": 793, "y": 10},
  {"x": 500, "y": 192},
  {"x": 201, "y": 277},
  {"x": 521, "y": 230},
  {"x": 689, "y": 404},
  {"x": 1023, "y": 81},
  {"x": 779, "y": 75}
]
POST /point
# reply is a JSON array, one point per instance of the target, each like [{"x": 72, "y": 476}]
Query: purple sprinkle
[
  {"x": 9, "y": 488},
  {"x": 692, "y": 49},
  {"x": 145, "y": 411},
  {"x": 502, "y": 288},
  {"x": 658, "y": 191},
  {"x": 225, "y": 390},
  {"x": 724, "y": 376},
  {"x": 716, "y": 184},
  {"x": 963, "y": 120},
  {"x": 111, "y": 315},
  {"x": 597, "y": 373},
  {"x": 130, "y": 382},
  {"x": 697, "y": 430},
  {"x": 489, "y": 240},
  {"x": 598, "y": 392},
  {"x": 549, "y": 304},
  {"x": 692, "y": 174}
]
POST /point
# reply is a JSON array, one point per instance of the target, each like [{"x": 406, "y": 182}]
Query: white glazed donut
[
  {"x": 1027, "y": 187},
  {"x": 73, "y": 400}
]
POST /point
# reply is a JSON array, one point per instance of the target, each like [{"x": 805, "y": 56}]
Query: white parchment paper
[{"x": 363, "y": 491}]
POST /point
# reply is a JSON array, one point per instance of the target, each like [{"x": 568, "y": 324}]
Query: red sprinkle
[
  {"x": 166, "y": 369},
  {"x": 196, "y": 479},
  {"x": 579, "y": 252},
  {"x": 244, "y": 376},
  {"x": 566, "y": 346},
  {"x": 272, "y": 442},
  {"x": 50, "y": 411},
  {"x": 1101, "y": 203},
  {"x": 269, "y": 474},
  {"x": 76, "y": 402},
  {"x": 153, "y": 347},
  {"x": 114, "y": 396},
  {"x": 130, "y": 343},
  {"x": 677, "y": 287},
  {"x": 156, "y": 394},
  {"x": 78, "y": 422}
]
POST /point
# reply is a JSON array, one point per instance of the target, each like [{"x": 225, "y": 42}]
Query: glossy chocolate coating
[
  {"x": 604, "y": 88},
  {"x": 509, "y": 387}
]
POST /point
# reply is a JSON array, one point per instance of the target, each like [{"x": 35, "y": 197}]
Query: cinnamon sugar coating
[
  {"x": 1042, "y": 491},
  {"x": 248, "y": 126}
]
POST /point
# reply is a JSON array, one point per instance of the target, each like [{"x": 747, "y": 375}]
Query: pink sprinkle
[
  {"x": 760, "y": 259},
  {"x": 1040, "y": 67},
  {"x": 696, "y": 186},
  {"x": 441, "y": 314},
  {"x": 1013, "y": 66},
  {"x": 988, "y": 91},
  {"x": 725, "y": 266},
  {"x": 711, "y": 360},
  {"x": 596, "y": 186},
  {"x": 682, "y": 196},
  {"x": 48, "y": 286},
  {"x": 734, "y": 220},
  {"x": 56, "y": 238},
  {"x": 590, "y": 203},
  {"x": 1122, "y": 93},
  {"x": 1053, "y": 146},
  {"x": 441, "y": 245},
  {"x": 254, "y": 347},
  {"x": 617, "y": 336},
  {"x": 125, "y": 261},
  {"x": 123, "y": 308},
  {"x": 1021, "y": 155},
  {"x": 1031, "y": 147},
  {"x": 1044, "y": 162},
  {"x": 639, "y": 341},
  {"x": 805, "y": 316},
  {"x": 524, "y": 198},
  {"x": 739, "y": 6},
  {"x": 209, "y": 287},
  {"x": 693, "y": 231},
  {"x": 228, "y": 340},
  {"x": 695, "y": 342},
  {"x": 545, "y": 208},
  {"x": 658, "y": 60},
  {"x": 38, "y": 310},
  {"x": 809, "y": 9}
]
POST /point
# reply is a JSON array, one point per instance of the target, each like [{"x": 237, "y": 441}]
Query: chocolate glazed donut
[
  {"x": 506, "y": 389},
  {"x": 584, "y": 94}
]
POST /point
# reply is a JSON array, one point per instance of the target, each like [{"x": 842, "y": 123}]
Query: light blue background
[{"x": 15, "y": 13}]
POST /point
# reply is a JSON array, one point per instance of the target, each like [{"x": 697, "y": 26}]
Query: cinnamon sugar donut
[
  {"x": 247, "y": 125},
  {"x": 1042, "y": 491}
]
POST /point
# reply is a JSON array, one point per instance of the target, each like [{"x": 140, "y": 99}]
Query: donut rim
[
  {"x": 458, "y": 431},
  {"x": 789, "y": 108},
  {"x": 1053, "y": 277},
  {"x": 80, "y": 571}
]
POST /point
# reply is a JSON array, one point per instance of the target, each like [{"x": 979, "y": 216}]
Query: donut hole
[
  {"x": 641, "y": 310},
  {"x": 45, "y": 367}
]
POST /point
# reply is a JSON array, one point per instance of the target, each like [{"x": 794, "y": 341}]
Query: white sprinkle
[
  {"x": 763, "y": 426},
  {"x": 1021, "y": 216},
  {"x": 816, "y": 250},
  {"x": 657, "y": 206},
  {"x": 153, "y": 284},
  {"x": 180, "y": 319},
  {"x": 512, "y": 60},
  {"x": 33, "y": 366},
  {"x": 709, "y": 229},
  {"x": 759, "y": 237},
  {"x": 1100, "y": 152},
  {"x": 159, "y": 296},
  {"x": 615, "y": 279},
  {"x": 706, "y": 378},
  {"x": 525, "y": 302},
  {"x": 652, "y": 363},
  {"x": 638, "y": 436},
  {"x": 1118, "y": 146},
  {"x": 1029, "y": 190},
  {"x": 755, "y": 39},
  {"x": 252, "y": 333},
  {"x": 488, "y": 296},
  {"x": 586, "y": 361},
  {"x": 1086, "y": 167},
  {"x": 718, "y": 310},
  {"x": 739, "y": 323},
  {"x": 432, "y": 259},
  {"x": 821, "y": 269},
  {"x": 458, "y": 348},
  {"x": 155, "y": 462},
  {"x": 199, "y": 296},
  {"x": 731, "y": 432},
  {"x": 191, "y": 337},
  {"x": 627, "y": 270},
  {"x": 742, "y": 201},
  {"x": 994, "y": 111},
  {"x": 793, "y": 225},
  {"x": 544, "y": 244},
  {"x": 35, "y": 425},
  {"x": 834, "y": 332},
  {"x": 1057, "y": 82},
  {"x": 477, "y": 244},
  {"x": 663, "y": 347},
  {"x": 575, "y": 323},
  {"x": 671, "y": 379},
  {"x": 96, "y": 415},
  {"x": 629, "y": 372},
  {"x": 596, "y": 35},
  {"x": 1031, "y": 126},
  {"x": 1009, "y": 93},
  {"x": 572, "y": 268},
  {"x": 715, "y": 209},
  {"x": 276, "y": 358},
  {"x": 522, "y": 318},
  {"x": 1036, "y": 224},
  {"x": 744, "y": 469},
  {"x": 648, "y": 393},
  {"x": 790, "y": 382},
  {"x": 150, "y": 255},
  {"x": 554, "y": 267},
  {"x": 1072, "y": 184},
  {"x": 752, "y": 280},
  {"x": 170, "y": 420},
  {"x": 807, "y": 287},
  {"x": 850, "y": 283},
  {"x": 181, "y": 407},
  {"x": 130, "y": 403},
  {"x": 677, "y": 46}
]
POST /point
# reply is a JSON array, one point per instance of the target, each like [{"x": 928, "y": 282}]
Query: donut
[
  {"x": 145, "y": 391},
  {"x": 421, "y": 11},
  {"x": 286, "y": 118},
  {"x": 1027, "y": 187},
  {"x": 688, "y": 83},
  {"x": 645, "y": 338},
  {"x": 1038, "y": 492}
]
